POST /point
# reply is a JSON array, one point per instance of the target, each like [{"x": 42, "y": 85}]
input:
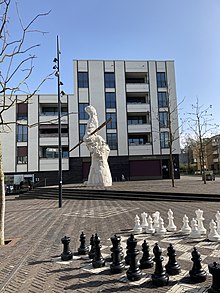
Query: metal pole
[{"x": 59, "y": 126}]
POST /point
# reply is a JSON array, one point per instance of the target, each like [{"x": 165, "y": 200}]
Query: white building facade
[{"x": 135, "y": 94}]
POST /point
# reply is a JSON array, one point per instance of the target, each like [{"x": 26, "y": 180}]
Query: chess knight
[{"x": 99, "y": 174}]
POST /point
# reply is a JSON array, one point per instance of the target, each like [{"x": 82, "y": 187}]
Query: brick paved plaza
[{"x": 30, "y": 262}]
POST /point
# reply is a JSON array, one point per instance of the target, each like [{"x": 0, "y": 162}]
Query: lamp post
[{"x": 57, "y": 74}]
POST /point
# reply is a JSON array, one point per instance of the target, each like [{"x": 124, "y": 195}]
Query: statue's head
[{"x": 90, "y": 110}]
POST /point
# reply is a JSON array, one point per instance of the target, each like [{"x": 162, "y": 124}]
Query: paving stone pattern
[{"x": 30, "y": 263}]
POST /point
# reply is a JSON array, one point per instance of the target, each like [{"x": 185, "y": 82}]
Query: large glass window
[
  {"x": 22, "y": 132},
  {"x": 53, "y": 110},
  {"x": 82, "y": 130},
  {"x": 82, "y": 113},
  {"x": 83, "y": 81},
  {"x": 162, "y": 99},
  {"x": 112, "y": 141},
  {"x": 22, "y": 155},
  {"x": 139, "y": 139},
  {"x": 164, "y": 140},
  {"x": 110, "y": 100},
  {"x": 137, "y": 119},
  {"x": 109, "y": 80},
  {"x": 113, "y": 123},
  {"x": 52, "y": 152},
  {"x": 22, "y": 111},
  {"x": 163, "y": 119},
  {"x": 161, "y": 79}
]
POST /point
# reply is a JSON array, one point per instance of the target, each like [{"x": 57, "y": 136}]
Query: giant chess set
[{"x": 182, "y": 260}]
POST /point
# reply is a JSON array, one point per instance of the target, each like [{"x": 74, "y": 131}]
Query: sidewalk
[{"x": 29, "y": 263}]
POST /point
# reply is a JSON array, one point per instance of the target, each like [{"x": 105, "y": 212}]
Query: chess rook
[
  {"x": 214, "y": 269},
  {"x": 67, "y": 253}
]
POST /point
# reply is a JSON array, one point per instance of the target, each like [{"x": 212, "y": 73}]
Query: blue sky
[{"x": 186, "y": 31}]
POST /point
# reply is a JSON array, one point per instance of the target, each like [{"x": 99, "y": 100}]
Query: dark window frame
[
  {"x": 109, "y": 78},
  {"x": 161, "y": 79},
  {"x": 83, "y": 79}
]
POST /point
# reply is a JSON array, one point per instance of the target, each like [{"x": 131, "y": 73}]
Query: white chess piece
[
  {"x": 156, "y": 217},
  {"x": 144, "y": 223},
  {"x": 213, "y": 234},
  {"x": 200, "y": 219},
  {"x": 217, "y": 216},
  {"x": 186, "y": 229},
  {"x": 195, "y": 232},
  {"x": 137, "y": 227},
  {"x": 161, "y": 229},
  {"x": 150, "y": 229},
  {"x": 171, "y": 226}
]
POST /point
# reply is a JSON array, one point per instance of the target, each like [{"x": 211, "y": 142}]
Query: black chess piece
[
  {"x": 117, "y": 265},
  {"x": 214, "y": 269},
  {"x": 98, "y": 261},
  {"x": 134, "y": 272},
  {"x": 146, "y": 261},
  {"x": 83, "y": 249},
  {"x": 67, "y": 253},
  {"x": 92, "y": 248},
  {"x": 128, "y": 248},
  {"x": 159, "y": 278},
  {"x": 197, "y": 274},
  {"x": 172, "y": 267}
]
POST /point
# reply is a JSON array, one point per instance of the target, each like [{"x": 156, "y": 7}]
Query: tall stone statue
[{"x": 99, "y": 174}]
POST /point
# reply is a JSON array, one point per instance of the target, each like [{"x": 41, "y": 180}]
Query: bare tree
[
  {"x": 16, "y": 59},
  {"x": 201, "y": 124}
]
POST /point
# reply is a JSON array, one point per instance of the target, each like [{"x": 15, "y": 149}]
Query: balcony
[
  {"x": 216, "y": 160},
  {"x": 136, "y": 128},
  {"x": 137, "y": 87},
  {"x": 138, "y": 108}
]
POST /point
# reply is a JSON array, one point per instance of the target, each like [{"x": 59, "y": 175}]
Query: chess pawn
[
  {"x": 214, "y": 269},
  {"x": 92, "y": 247},
  {"x": 217, "y": 216},
  {"x": 146, "y": 261},
  {"x": 144, "y": 223},
  {"x": 67, "y": 253},
  {"x": 159, "y": 277},
  {"x": 137, "y": 227},
  {"x": 172, "y": 267},
  {"x": 150, "y": 229},
  {"x": 213, "y": 234},
  {"x": 171, "y": 226},
  {"x": 156, "y": 217},
  {"x": 117, "y": 265},
  {"x": 200, "y": 219},
  {"x": 197, "y": 274},
  {"x": 195, "y": 232},
  {"x": 161, "y": 229},
  {"x": 186, "y": 229},
  {"x": 134, "y": 272},
  {"x": 83, "y": 249},
  {"x": 98, "y": 261}
]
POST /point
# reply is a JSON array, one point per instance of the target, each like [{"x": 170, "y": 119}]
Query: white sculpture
[{"x": 99, "y": 174}]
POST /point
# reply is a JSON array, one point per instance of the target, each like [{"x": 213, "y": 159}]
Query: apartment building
[{"x": 133, "y": 93}]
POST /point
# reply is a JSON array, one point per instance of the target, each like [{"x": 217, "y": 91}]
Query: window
[
  {"x": 112, "y": 141},
  {"x": 164, "y": 140},
  {"x": 162, "y": 99},
  {"x": 52, "y": 152},
  {"x": 140, "y": 139},
  {"x": 53, "y": 110},
  {"x": 137, "y": 119},
  {"x": 83, "y": 81},
  {"x": 109, "y": 80},
  {"x": 112, "y": 124},
  {"x": 82, "y": 113},
  {"x": 82, "y": 130},
  {"x": 161, "y": 79},
  {"x": 110, "y": 100},
  {"x": 51, "y": 130},
  {"x": 22, "y": 153},
  {"x": 136, "y": 100},
  {"x": 163, "y": 119},
  {"x": 22, "y": 133},
  {"x": 22, "y": 111}
]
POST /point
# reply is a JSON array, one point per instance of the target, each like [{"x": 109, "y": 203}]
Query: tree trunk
[{"x": 2, "y": 201}]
